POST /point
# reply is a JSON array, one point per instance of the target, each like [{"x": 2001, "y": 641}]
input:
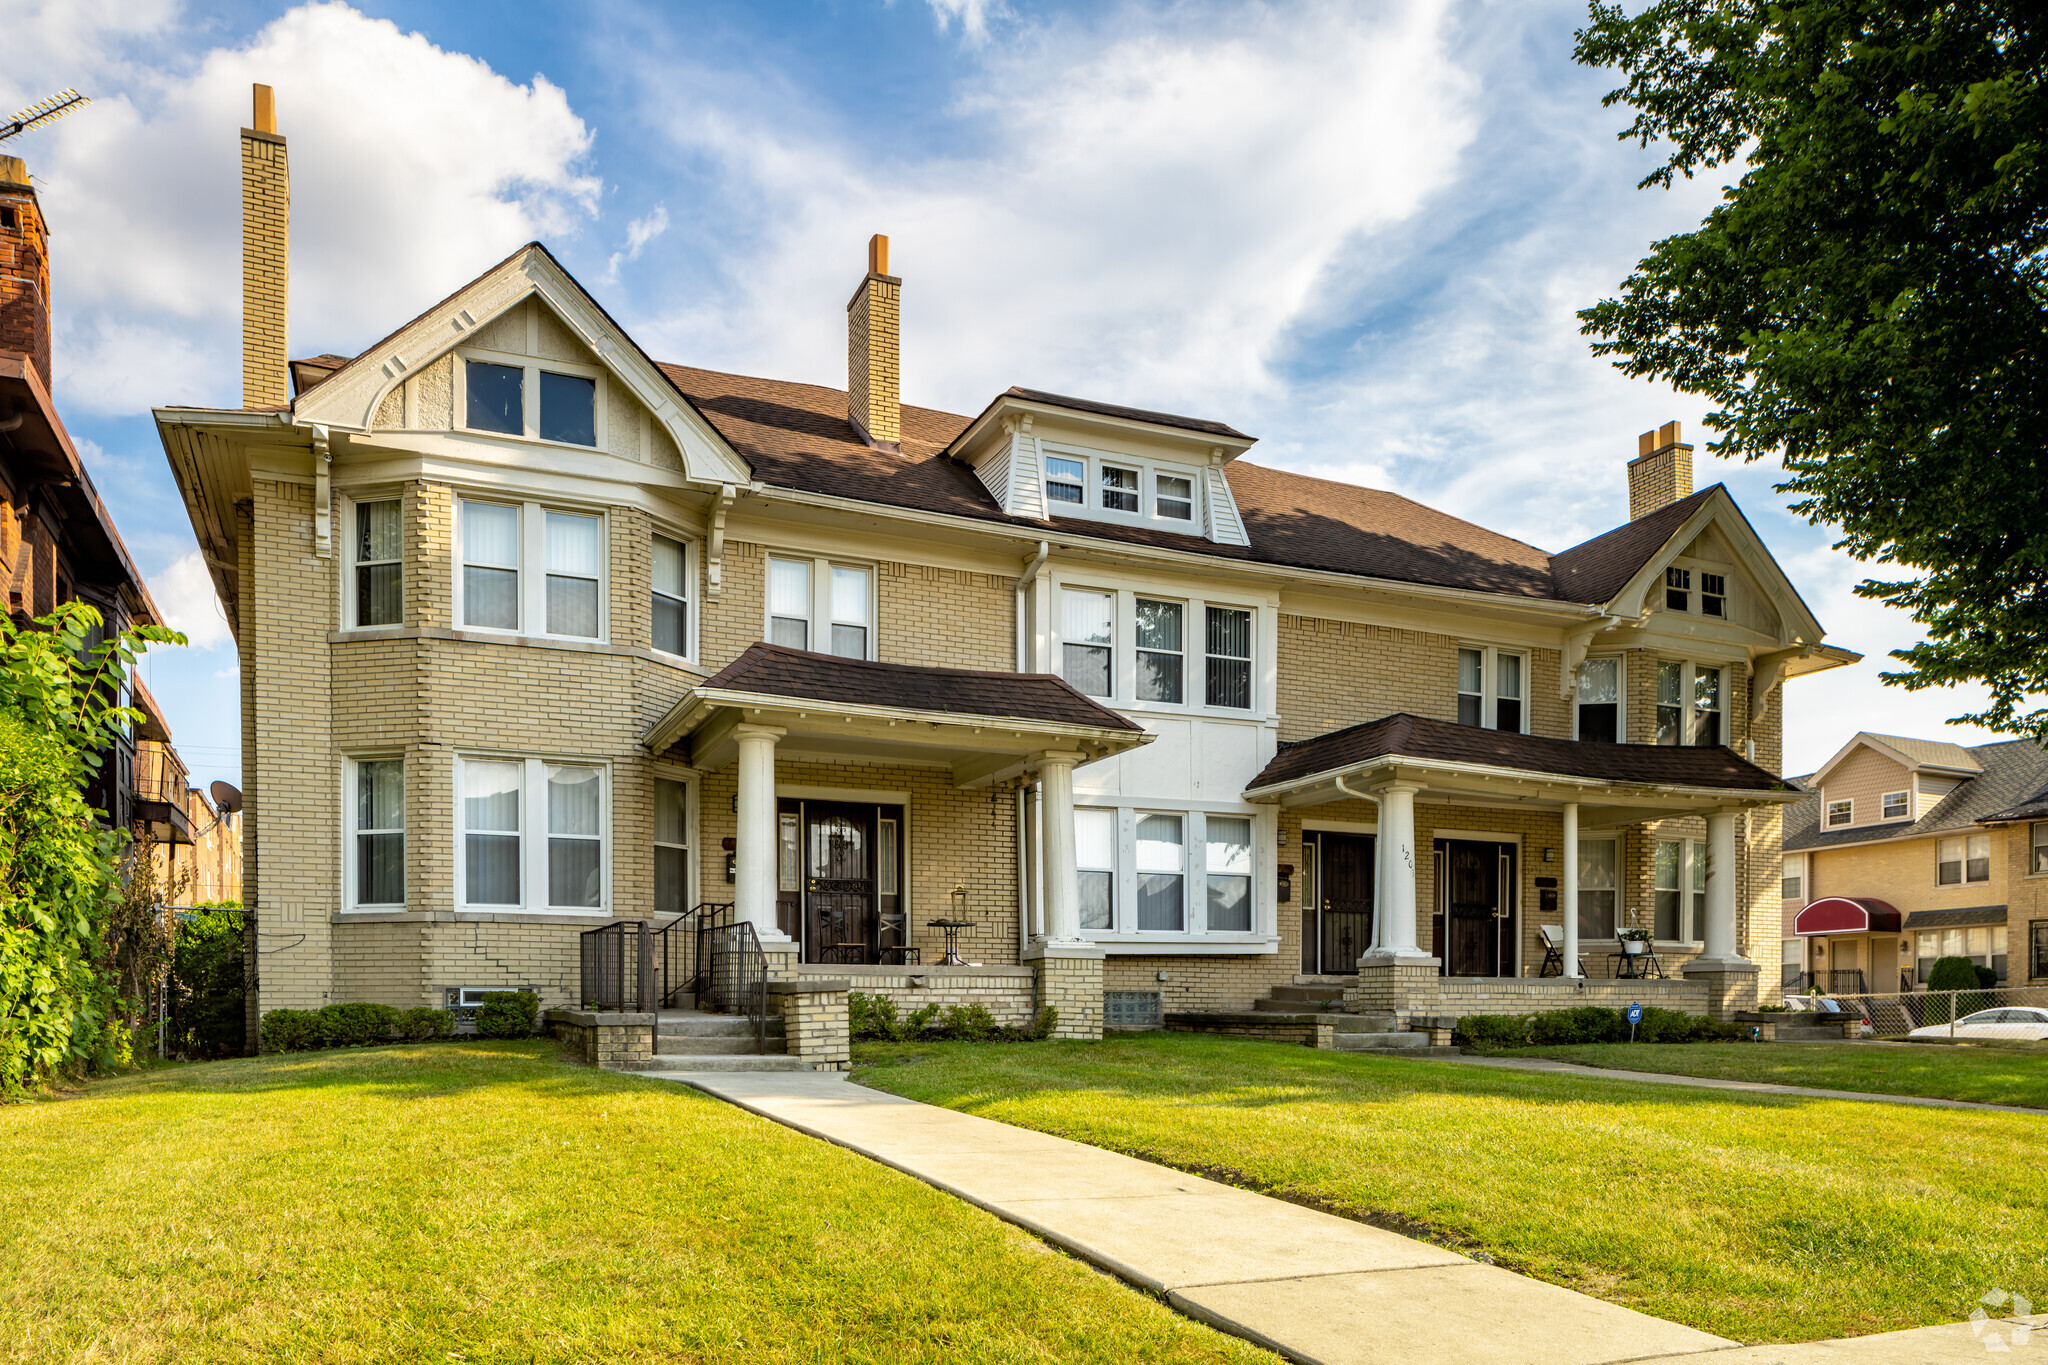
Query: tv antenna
[{"x": 47, "y": 111}]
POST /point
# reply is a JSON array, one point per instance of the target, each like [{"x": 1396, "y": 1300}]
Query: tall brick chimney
[
  {"x": 1661, "y": 472},
  {"x": 24, "y": 269},
  {"x": 873, "y": 345},
  {"x": 266, "y": 231}
]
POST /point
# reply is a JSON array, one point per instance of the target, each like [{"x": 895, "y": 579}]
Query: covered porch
[{"x": 1492, "y": 859}]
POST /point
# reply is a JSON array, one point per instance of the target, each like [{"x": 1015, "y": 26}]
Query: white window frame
[
  {"x": 1184, "y": 872},
  {"x": 1620, "y": 662},
  {"x": 1963, "y": 877},
  {"x": 533, "y": 568},
  {"x": 821, "y": 567},
  {"x": 1123, "y": 648},
  {"x": 2037, "y": 849},
  {"x": 1148, "y": 470},
  {"x": 529, "y": 396},
  {"x": 1182, "y": 653},
  {"x": 1194, "y": 875},
  {"x": 686, "y": 780},
  {"x": 350, "y": 565},
  {"x": 1489, "y": 684},
  {"x": 1692, "y": 914},
  {"x": 1116, "y": 900},
  {"x": 1792, "y": 869},
  {"x": 1077, "y": 482},
  {"x": 1620, "y": 886},
  {"x": 1689, "y": 711},
  {"x": 350, "y": 828},
  {"x": 1905, "y": 802},
  {"x": 1159, "y": 496},
  {"x": 1847, "y": 806},
  {"x": 688, "y": 599},
  {"x": 533, "y": 836}
]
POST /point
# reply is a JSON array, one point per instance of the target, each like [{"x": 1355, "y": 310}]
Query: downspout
[{"x": 1030, "y": 572}]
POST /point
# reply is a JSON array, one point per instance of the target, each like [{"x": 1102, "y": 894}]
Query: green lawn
[
  {"x": 487, "y": 1202},
  {"x": 1995, "y": 1075},
  {"x": 1762, "y": 1218}
]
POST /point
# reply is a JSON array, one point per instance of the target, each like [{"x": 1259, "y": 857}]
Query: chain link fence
[{"x": 2016, "y": 1014}]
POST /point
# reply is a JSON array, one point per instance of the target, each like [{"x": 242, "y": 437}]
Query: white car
[{"x": 2011, "y": 1023}]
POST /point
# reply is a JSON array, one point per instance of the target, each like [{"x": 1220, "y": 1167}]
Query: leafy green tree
[
  {"x": 59, "y": 685},
  {"x": 1867, "y": 300}
]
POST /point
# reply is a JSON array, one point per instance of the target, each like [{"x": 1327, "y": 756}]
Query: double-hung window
[
  {"x": 1119, "y": 489},
  {"x": 2037, "y": 948},
  {"x": 1599, "y": 888},
  {"x": 1792, "y": 876},
  {"x": 1491, "y": 688},
  {"x": 671, "y": 847},
  {"x": 1691, "y": 704},
  {"x": 1229, "y": 642},
  {"x": 1895, "y": 805},
  {"x": 1174, "y": 496},
  {"x": 1713, "y": 595},
  {"x": 1841, "y": 813},
  {"x": 1095, "y": 855},
  {"x": 566, "y": 598},
  {"x": 1677, "y": 588},
  {"x": 816, "y": 604},
  {"x": 1161, "y": 664},
  {"x": 1681, "y": 890},
  {"x": 1087, "y": 632},
  {"x": 671, "y": 604},
  {"x": 1125, "y": 488},
  {"x": 380, "y": 577},
  {"x": 1983, "y": 946},
  {"x": 533, "y": 834},
  {"x": 1963, "y": 859},
  {"x": 1066, "y": 480},
  {"x": 379, "y": 833},
  {"x": 1229, "y": 873},
  {"x": 1599, "y": 701},
  {"x": 1162, "y": 873},
  {"x": 2040, "y": 846}
]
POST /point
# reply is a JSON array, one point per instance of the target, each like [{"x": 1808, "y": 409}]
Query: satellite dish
[{"x": 226, "y": 797}]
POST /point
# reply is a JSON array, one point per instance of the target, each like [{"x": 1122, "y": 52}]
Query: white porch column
[
  {"x": 754, "y": 857},
  {"x": 1721, "y": 877},
  {"x": 1397, "y": 884},
  {"x": 1569, "y": 897},
  {"x": 1062, "y": 881}
]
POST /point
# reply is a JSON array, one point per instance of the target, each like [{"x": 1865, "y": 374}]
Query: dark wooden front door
[
  {"x": 1479, "y": 908},
  {"x": 1344, "y": 909}
]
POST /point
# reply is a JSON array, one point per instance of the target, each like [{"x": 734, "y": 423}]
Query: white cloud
[
  {"x": 973, "y": 16},
  {"x": 639, "y": 233},
  {"x": 412, "y": 168},
  {"x": 184, "y": 593}
]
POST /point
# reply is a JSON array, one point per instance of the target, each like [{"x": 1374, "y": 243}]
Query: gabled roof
[
  {"x": 2014, "y": 776},
  {"x": 1418, "y": 737},
  {"x": 1595, "y": 570},
  {"x": 1911, "y": 754}
]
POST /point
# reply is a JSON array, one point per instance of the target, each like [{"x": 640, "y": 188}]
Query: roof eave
[
  {"x": 696, "y": 705},
  {"x": 1010, "y": 404},
  {"x": 1484, "y": 771}
]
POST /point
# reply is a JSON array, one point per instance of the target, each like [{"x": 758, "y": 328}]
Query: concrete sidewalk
[
  {"x": 1311, "y": 1286},
  {"x": 1713, "y": 1082}
]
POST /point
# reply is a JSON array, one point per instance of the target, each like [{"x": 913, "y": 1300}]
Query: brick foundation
[
  {"x": 1073, "y": 986},
  {"x": 615, "y": 1042},
  {"x": 813, "y": 1020}
]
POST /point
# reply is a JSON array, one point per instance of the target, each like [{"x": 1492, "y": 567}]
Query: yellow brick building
[{"x": 539, "y": 636}]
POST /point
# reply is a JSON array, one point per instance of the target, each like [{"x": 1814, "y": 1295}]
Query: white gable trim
[
  {"x": 1720, "y": 512},
  {"x": 349, "y": 399}
]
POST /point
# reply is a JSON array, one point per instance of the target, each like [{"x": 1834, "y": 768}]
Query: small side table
[{"x": 952, "y": 928}]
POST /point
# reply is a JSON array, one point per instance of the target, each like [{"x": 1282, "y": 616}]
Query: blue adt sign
[{"x": 1635, "y": 1014}]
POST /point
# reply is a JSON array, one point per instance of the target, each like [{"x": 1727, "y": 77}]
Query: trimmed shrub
[
  {"x": 917, "y": 1024},
  {"x": 291, "y": 1030},
  {"x": 1043, "y": 1023},
  {"x": 357, "y": 1023},
  {"x": 969, "y": 1023},
  {"x": 422, "y": 1022},
  {"x": 1493, "y": 1030},
  {"x": 1955, "y": 974},
  {"x": 508, "y": 1014},
  {"x": 871, "y": 1016},
  {"x": 1585, "y": 1024}
]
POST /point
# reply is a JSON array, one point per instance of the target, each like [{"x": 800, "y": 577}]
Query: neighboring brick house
[
  {"x": 538, "y": 634},
  {"x": 1911, "y": 850}
]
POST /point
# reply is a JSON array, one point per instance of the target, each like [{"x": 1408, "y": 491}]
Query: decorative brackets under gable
[
  {"x": 1766, "y": 671},
  {"x": 714, "y": 543}
]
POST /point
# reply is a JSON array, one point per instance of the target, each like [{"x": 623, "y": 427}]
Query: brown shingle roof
[
  {"x": 1595, "y": 570},
  {"x": 1164, "y": 419},
  {"x": 776, "y": 671},
  {"x": 1418, "y": 737}
]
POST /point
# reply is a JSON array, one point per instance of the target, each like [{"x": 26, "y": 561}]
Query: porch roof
[
  {"x": 1846, "y": 915},
  {"x": 1516, "y": 767},
  {"x": 984, "y": 723}
]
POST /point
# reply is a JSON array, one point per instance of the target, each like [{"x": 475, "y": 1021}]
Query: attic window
[
  {"x": 495, "y": 401},
  {"x": 1174, "y": 497},
  {"x": 1063, "y": 480},
  {"x": 1677, "y": 589},
  {"x": 1119, "y": 489},
  {"x": 568, "y": 408},
  {"x": 1713, "y": 595}
]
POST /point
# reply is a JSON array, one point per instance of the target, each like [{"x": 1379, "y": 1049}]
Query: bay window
[
  {"x": 1599, "y": 889},
  {"x": 1095, "y": 855},
  {"x": 1599, "y": 701},
  {"x": 534, "y": 835},
  {"x": 1160, "y": 662},
  {"x": 379, "y": 577},
  {"x": 1492, "y": 688},
  {"x": 1162, "y": 873},
  {"x": 1178, "y": 653},
  {"x": 670, "y": 615},
  {"x": 565, "y": 599},
  {"x": 819, "y": 605},
  {"x": 1229, "y": 839},
  {"x": 379, "y": 833}
]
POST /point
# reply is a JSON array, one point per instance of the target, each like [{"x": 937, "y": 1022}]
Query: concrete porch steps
[
  {"x": 692, "y": 1040},
  {"x": 751, "y": 1061}
]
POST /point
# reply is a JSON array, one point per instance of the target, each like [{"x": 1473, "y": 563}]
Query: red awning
[{"x": 1847, "y": 915}]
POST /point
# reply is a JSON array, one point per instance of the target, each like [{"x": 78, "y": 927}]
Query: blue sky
[{"x": 1360, "y": 231}]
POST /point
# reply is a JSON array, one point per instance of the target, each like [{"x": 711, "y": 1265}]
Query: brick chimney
[
  {"x": 1661, "y": 472},
  {"x": 24, "y": 269},
  {"x": 873, "y": 344},
  {"x": 266, "y": 230}
]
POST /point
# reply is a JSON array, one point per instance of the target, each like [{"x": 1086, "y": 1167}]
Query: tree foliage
[
  {"x": 1867, "y": 301},
  {"x": 59, "y": 873}
]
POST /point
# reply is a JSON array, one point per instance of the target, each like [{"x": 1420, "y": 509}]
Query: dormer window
[
  {"x": 1174, "y": 497},
  {"x": 1065, "y": 481},
  {"x": 1119, "y": 489},
  {"x": 1678, "y": 589},
  {"x": 1713, "y": 595}
]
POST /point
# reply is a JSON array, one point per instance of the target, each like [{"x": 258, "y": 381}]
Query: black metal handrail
[
  {"x": 737, "y": 981},
  {"x": 680, "y": 961},
  {"x": 618, "y": 966}
]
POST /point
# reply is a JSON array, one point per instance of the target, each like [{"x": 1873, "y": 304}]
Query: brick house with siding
[{"x": 540, "y": 635}]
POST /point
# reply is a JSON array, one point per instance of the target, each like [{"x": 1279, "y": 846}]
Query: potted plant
[{"x": 1634, "y": 942}]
